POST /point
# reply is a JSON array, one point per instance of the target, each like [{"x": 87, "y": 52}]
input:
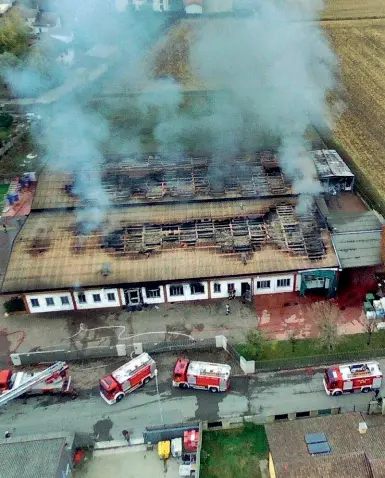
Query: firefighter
[{"x": 127, "y": 437}]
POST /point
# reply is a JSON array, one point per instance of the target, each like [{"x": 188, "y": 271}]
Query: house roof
[
  {"x": 329, "y": 163},
  {"x": 346, "y": 222},
  {"x": 26, "y": 13},
  {"x": 356, "y": 238},
  {"x": 350, "y": 450},
  {"x": 358, "y": 250},
  {"x": 140, "y": 179},
  {"x": 51, "y": 46},
  {"x": 31, "y": 457},
  {"x": 47, "y": 254},
  {"x": 46, "y": 19}
]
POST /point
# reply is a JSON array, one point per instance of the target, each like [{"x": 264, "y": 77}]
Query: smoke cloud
[{"x": 272, "y": 73}]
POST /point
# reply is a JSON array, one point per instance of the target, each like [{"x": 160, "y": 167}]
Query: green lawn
[
  {"x": 283, "y": 349},
  {"x": 3, "y": 192},
  {"x": 233, "y": 453}
]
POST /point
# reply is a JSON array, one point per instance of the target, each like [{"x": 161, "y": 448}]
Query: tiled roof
[
  {"x": 36, "y": 458},
  {"x": 350, "y": 450}
]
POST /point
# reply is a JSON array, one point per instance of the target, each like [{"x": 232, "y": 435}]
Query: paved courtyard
[
  {"x": 275, "y": 314},
  {"x": 133, "y": 462}
]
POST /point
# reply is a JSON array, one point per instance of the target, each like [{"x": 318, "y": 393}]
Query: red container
[{"x": 190, "y": 441}]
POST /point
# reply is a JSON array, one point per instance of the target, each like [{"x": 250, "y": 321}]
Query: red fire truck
[
  {"x": 127, "y": 378},
  {"x": 349, "y": 378},
  {"x": 214, "y": 377}
]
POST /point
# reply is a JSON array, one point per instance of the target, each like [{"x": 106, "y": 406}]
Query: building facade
[
  {"x": 179, "y": 239},
  {"x": 246, "y": 288}
]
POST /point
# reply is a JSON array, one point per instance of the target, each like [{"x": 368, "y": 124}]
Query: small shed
[
  {"x": 49, "y": 456},
  {"x": 333, "y": 173}
]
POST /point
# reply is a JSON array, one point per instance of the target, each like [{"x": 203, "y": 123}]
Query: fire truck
[
  {"x": 54, "y": 379},
  {"x": 214, "y": 377},
  {"x": 349, "y": 378},
  {"x": 127, "y": 378}
]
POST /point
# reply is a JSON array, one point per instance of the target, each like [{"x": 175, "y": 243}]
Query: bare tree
[
  {"x": 370, "y": 327},
  {"x": 326, "y": 314},
  {"x": 292, "y": 337}
]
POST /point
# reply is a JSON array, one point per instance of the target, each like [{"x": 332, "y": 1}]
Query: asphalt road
[{"x": 266, "y": 394}]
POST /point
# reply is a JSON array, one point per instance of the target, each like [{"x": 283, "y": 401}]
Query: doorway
[
  {"x": 246, "y": 291},
  {"x": 132, "y": 296}
]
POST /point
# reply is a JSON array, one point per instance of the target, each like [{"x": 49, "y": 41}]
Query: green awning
[{"x": 320, "y": 273}]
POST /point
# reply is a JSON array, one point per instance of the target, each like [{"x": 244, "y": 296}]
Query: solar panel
[
  {"x": 315, "y": 438},
  {"x": 319, "y": 448}
]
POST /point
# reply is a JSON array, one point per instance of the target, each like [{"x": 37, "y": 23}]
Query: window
[
  {"x": 197, "y": 288},
  {"x": 96, "y": 297},
  {"x": 82, "y": 299},
  {"x": 64, "y": 300},
  {"x": 230, "y": 287},
  {"x": 217, "y": 287},
  {"x": 176, "y": 290},
  {"x": 49, "y": 301},
  {"x": 283, "y": 282},
  {"x": 35, "y": 303},
  {"x": 111, "y": 297},
  {"x": 263, "y": 284},
  {"x": 153, "y": 293}
]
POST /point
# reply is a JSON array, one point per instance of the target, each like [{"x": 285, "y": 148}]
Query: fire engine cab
[
  {"x": 214, "y": 377},
  {"x": 362, "y": 377},
  {"x": 127, "y": 378}
]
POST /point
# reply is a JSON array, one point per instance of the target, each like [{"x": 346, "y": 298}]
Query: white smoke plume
[{"x": 272, "y": 71}]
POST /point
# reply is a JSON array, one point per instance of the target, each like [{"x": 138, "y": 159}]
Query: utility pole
[{"x": 157, "y": 392}]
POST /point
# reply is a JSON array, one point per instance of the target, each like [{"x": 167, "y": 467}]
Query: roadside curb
[{"x": 108, "y": 445}]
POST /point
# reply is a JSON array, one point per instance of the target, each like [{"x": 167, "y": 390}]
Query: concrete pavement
[{"x": 264, "y": 395}]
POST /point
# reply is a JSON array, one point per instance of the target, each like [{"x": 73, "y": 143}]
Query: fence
[
  {"x": 122, "y": 350},
  {"x": 49, "y": 356},
  {"x": 177, "y": 345},
  {"x": 317, "y": 360}
]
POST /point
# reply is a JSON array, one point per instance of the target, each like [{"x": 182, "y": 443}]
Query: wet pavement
[{"x": 264, "y": 394}]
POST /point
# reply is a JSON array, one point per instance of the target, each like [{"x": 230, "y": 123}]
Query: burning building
[{"x": 175, "y": 232}]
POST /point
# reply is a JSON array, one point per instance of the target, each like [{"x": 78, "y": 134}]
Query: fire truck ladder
[{"x": 37, "y": 378}]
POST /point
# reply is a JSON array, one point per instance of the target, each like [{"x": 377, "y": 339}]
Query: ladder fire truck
[
  {"x": 127, "y": 378},
  {"x": 54, "y": 379},
  {"x": 349, "y": 378},
  {"x": 214, "y": 377}
]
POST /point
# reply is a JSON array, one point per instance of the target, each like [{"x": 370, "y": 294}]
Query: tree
[
  {"x": 326, "y": 315},
  {"x": 370, "y": 327},
  {"x": 6, "y": 121},
  {"x": 292, "y": 337},
  {"x": 254, "y": 342},
  {"x": 14, "y": 34}
]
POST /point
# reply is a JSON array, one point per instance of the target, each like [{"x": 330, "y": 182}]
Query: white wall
[
  {"x": 187, "y": 293},
  {"x": 194, "y": 9},
  {"x": 274, "y": 289},
  {"x": 224, "y": 290},
  {"x": 155, "y": 300},
  {"x": 67, "y": 57},
  {"x": 104, "y": 302},
  {"x": 160, "y": 5},
  {"x": 43, "y": 307}
]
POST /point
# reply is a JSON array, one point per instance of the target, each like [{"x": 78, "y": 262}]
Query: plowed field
[
  {"x": 361, "y": 129},
  {"x": 338, "y": 9}
]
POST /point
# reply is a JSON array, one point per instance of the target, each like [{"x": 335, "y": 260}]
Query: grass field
[
  {"x": 283, "y": 349},
  {"x": 360, "y": 46},
  {"x": 3, "y": 192},
  {"x": 233, "y": 453}
]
